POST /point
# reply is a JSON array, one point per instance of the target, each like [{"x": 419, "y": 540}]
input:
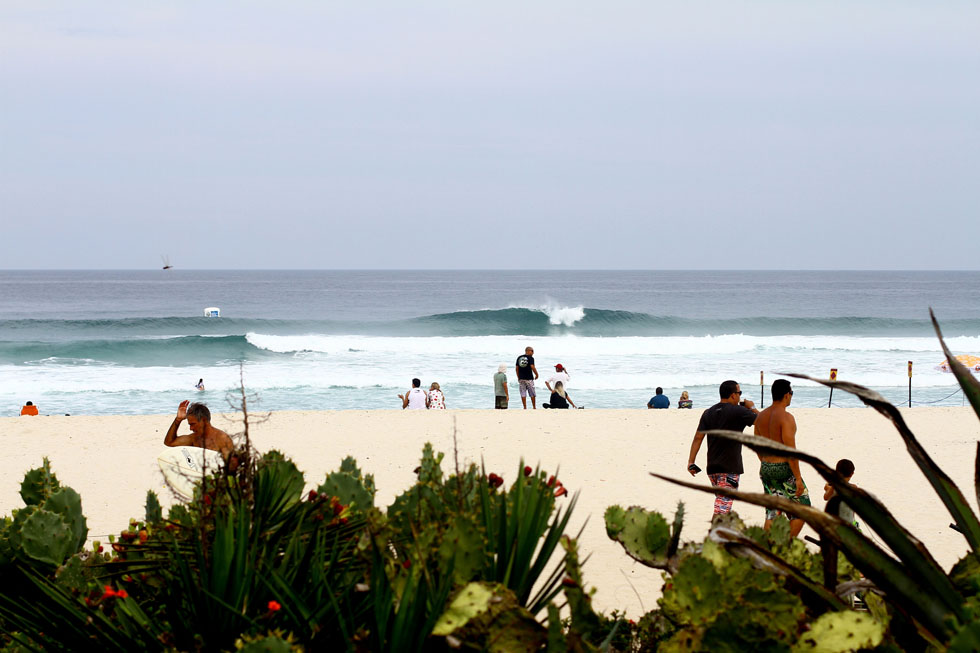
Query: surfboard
[{"x": 183, "y": 467}]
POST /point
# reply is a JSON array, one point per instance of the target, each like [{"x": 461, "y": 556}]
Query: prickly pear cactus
[
  {"x": 46, "y": 537},
  {"x": 349, "y": 489},
  {"x": 840, "y": 632},
  {"x": 463, "y": 544},
  {"x": 67, "y": 503},
  {"x": 486, "y": 616},
  {"x": 38, "y": 484},
  {"x": 349, "y": 465},
  {"x": 430, "y": 470},
  {"x": 644, "y": 534}
]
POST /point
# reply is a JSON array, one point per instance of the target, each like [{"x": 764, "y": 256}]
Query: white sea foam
[{"x": 556, "y": 312}]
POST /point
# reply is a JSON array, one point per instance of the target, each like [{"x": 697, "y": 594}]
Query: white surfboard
[{"x": 183, "y": 467}]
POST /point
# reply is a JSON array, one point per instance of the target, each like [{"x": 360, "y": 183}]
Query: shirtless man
[
  {"x": 781, "y": 476},
  {"x": 202, "y": 433}
]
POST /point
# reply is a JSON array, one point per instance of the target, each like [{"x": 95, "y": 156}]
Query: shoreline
[{"x": 606, "y": 454}]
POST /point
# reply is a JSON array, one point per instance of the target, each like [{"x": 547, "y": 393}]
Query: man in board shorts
[
  {"x": 724, "y": 456},
  {"x": 526, "y": 373},
  {"x": 780, "y": 475}
]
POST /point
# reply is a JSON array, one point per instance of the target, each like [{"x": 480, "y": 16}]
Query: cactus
[
  {"x": 349, "y": 465},
  {"x": 644, "y": 534},
  {"x": 430, "y": 470},
  {"x": 838, "y": 632},
  {"x": 152, "y": 508},
  {"x": 349, "y": 489},
  {"x": 71, "y": 576},
  {"x": 486, "y": 616},
  {"x": 38, "y": 484},
  {"x": 465, "y": 546},
  {"x": 584, "y": 620},
  {"x": 66, "y": 502},
  {"x": 46, "y": 537}
]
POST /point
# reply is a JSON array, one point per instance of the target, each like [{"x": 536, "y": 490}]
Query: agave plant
[{"x": 942, "y": 610}]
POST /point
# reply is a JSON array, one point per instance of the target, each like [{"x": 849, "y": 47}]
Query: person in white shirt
[
  {"x": 416, "y": 398},
  {"x": 560, "y": 376}
]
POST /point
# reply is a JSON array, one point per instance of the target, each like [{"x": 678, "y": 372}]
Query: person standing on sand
[
  {"x": 526, "y": 373},
  {"x": 501, "y": 395},
  {"x": 416, "y": 398},
  {"x": 724, "y": 456},
  {"x": 780, "y": 475},
  {"x": 202, "y": 433}
]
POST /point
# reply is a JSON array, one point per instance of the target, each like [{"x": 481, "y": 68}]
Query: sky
[{"x": 512, "y": 135}]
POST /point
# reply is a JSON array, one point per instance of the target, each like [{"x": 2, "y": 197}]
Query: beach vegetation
[{"x": 751, "y": 589}]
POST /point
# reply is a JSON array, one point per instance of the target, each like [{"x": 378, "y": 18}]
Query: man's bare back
[
  {"x": 202, "y": 434},
  {"x": 777, "y": 424}
]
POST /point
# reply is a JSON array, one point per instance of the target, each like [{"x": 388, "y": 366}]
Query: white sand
[{"x": 606, "y": 454}]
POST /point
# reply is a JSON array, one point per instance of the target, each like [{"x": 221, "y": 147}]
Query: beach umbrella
[{"x": 971, "y": 362}]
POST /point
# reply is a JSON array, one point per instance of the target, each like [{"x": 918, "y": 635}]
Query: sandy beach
[{"x": 607, "y": 455}]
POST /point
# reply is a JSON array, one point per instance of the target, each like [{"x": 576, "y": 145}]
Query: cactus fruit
[
  {"x": 153, "y": 510},
  {"x": 839, "y": 632},
  {"x": 67, "y": 503},
  {"x": 38, "y": 484},
  {"x": 46, "y": 537}
]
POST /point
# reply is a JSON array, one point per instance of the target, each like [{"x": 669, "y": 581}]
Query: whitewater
[{"x": 135, "y": 342}]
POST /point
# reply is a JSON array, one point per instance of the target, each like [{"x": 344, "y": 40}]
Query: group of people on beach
[
  {"x": 780, "y": 475},
  {"x": 418, "y": 399},
  {"x": 527, "y": 374}
]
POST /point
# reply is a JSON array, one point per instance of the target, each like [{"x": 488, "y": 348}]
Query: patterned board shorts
[
  {"x": 778, "y": 480},
  {"x": 500, "y": 401},
  {"x": 723, "y": 504},
  {"x": 527, "y": 387}
]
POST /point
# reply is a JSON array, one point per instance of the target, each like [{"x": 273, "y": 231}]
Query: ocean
[{"x": 136, "y": 342}]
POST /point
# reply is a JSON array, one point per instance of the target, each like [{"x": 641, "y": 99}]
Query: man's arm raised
[{"x": 172, "y": 439}]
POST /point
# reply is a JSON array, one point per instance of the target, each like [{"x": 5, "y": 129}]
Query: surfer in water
[
  {"x": 202, "y": 433},
  {"x": 200, "y": 384}
]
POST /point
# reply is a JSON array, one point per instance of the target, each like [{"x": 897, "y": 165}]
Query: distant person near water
[
  {"x": 202, "y": 434},
  {"x": 724, "y": 456},
  {"x": 659, "y": 400},
  {"x": 559, "y": 399},
  {"x": 501, "y": 395},
  {"x": 526, "y": 373},
  {"x": 685, "y": 401},
  {"x": 416, "y": 398},
  {"x": 200, "y": 384},
  {"x": 29, "y": 409},
  {"x": 781, "y": 475},
  {"x": 846, "y": 469},
  {"x": 436, "y": 400}
]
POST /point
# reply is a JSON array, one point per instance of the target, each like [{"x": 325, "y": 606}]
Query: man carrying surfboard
[{"x": 202, "y": 433}]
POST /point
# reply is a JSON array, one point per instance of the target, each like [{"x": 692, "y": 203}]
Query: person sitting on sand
[
  {"x": 202, "y": 433},
  {"x": 29, "y": 409},
  {"x": 437, "y": 400},
  {"x": 781, "y": 475},
  {"x": 416, "y": 398},
  {"x": 659, "y": 400},
  {"x": 685, "y": 401},
  {"x": 559, "y": 398}
]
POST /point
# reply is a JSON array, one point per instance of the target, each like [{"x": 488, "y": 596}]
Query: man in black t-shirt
[
  {"x": 724, "y": 456},
  {"x": 526, "y": 373}
]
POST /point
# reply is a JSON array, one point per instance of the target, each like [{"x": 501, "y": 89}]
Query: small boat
[{"x": 166, "y": 262}]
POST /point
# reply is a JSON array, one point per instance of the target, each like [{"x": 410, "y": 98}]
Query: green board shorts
[
  {"x": 778, "y": 480},
  {"x": 500, "y": 401}
]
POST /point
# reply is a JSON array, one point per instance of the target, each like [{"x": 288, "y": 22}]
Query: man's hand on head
[{"x": 182, "y": 410}]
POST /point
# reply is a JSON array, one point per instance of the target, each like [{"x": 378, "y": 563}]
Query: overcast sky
[{"x": 490, "y": 135}]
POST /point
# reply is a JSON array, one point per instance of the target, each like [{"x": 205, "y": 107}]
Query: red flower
[
  {"x": 407, "y": 563},
  {"x": 551, "y": 481},
  {"x": 274, "y": 606},
  {"x": 122, "y": 594},
  {"x": 494, "y": 480},
  {"x": 561, "y": 491},
  {"x": 312, "y": 496},
  {"x": 527, "y": 470}
]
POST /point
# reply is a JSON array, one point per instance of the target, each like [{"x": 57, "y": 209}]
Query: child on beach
[{"x": 846, "y": 469}]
